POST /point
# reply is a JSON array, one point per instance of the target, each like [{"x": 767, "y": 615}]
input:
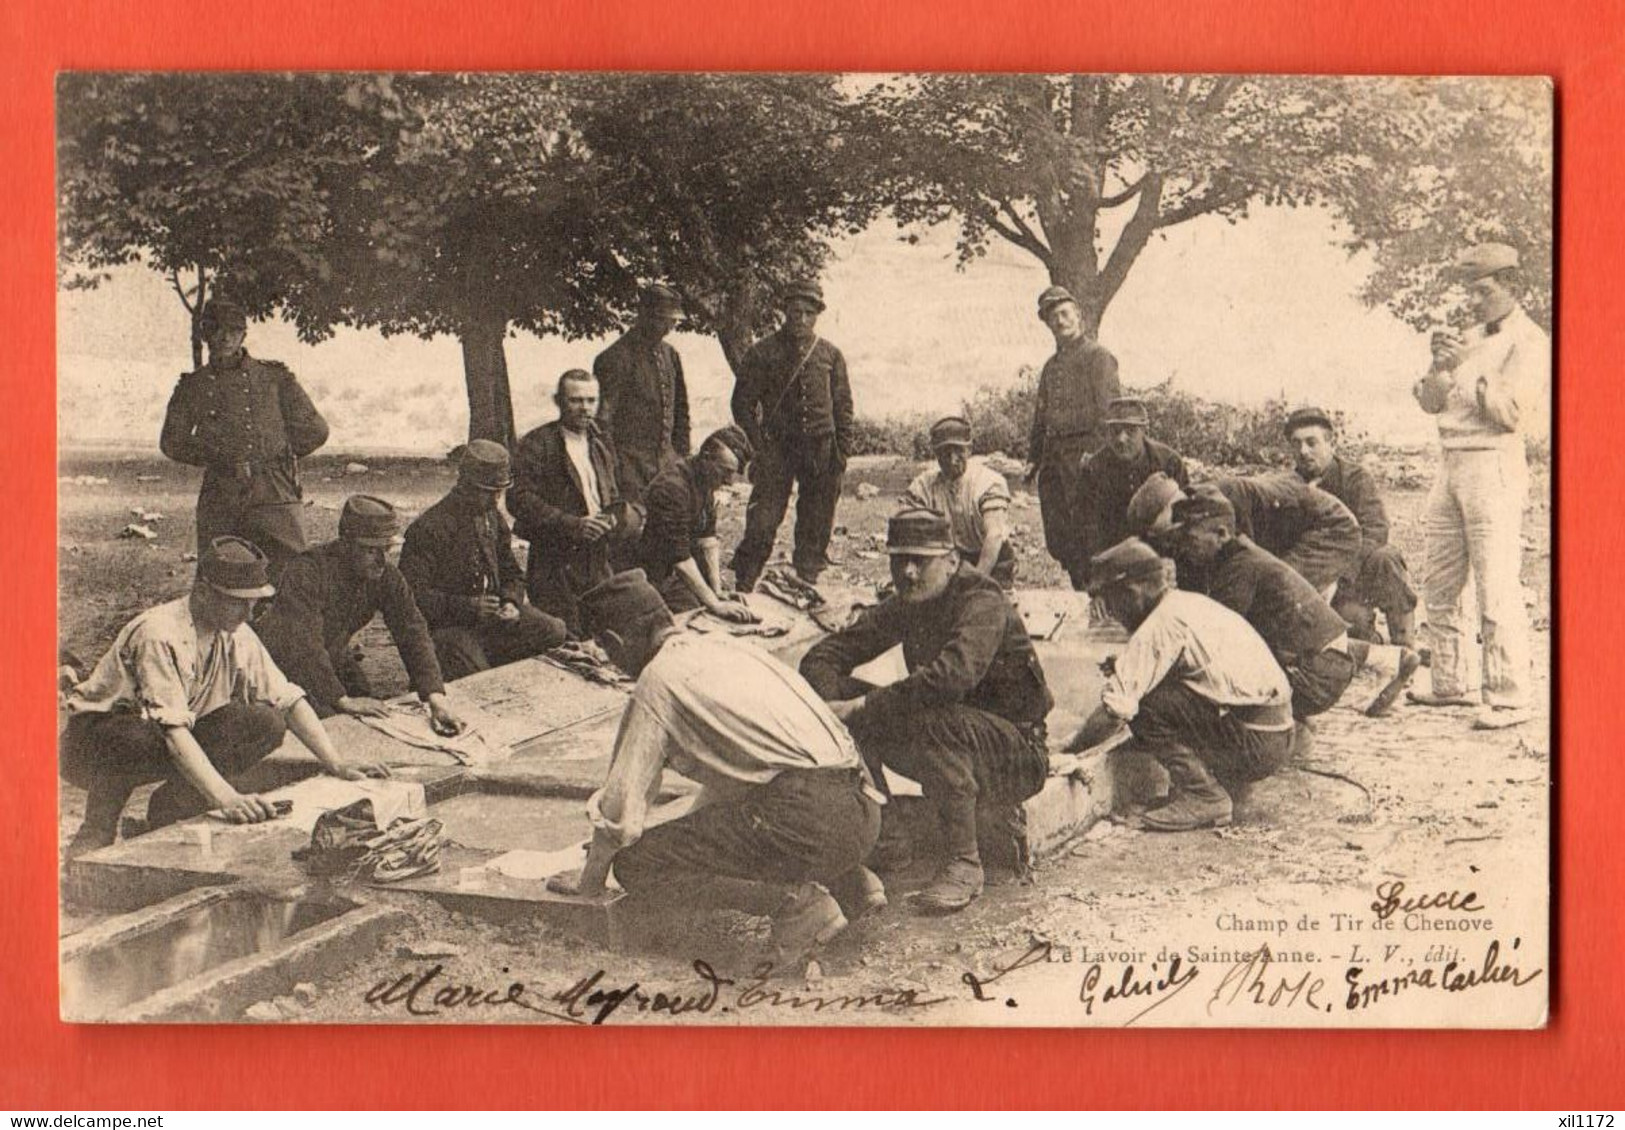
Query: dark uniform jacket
[
  {"x": 1353, "y": 486},
  {"x": 256, "y": 414},
  {"x": 548, "y": 500},
  {"x": 778, "y": 405},
  {"x": 968, "y": 646},
  {"x": 1278, "y": 509},
  {"x": 680, "y": 514},
  {"x": 1074, "y": 389},
  {"x": 456, "y": 549},
  {"x": 1108, "y": 484},
  {"x": 1285, "y": 609},
  {"x": 643, "y": 407},
  {"x": 321, "y": 603}
]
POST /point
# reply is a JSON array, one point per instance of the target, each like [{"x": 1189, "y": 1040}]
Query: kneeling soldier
[
  {"x": 328, "y": 594},
  {"x": 786, "y": 813},
  {"x": 188, "y": 695},
  {"x": 968, "y": 721},
  {"x": 1195, "y": 684}
]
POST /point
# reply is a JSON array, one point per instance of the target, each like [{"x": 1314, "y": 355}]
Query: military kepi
[
  {"x": 222, "y": 313},
  {"x": 620, "y": 602},
  {"x": 951, "y": 431},
  {"x": 236, "y": 567},
  {"x": 1485, "y": 259},
  {"x": 1127, "y": 410},
  {"x": 367, "y": 520},
  {"x": 803, "y": 290},
  {"x": 1306, "y": 417},
  {"x": 918, "y": 532},
  {"x": 659, "y": 298},
  {"x": 1052, "y": 297},
  {"x": 1129, "y": 560},
  {"x": 485, "y": 465},
  {"x": 1205, "y": 501}
]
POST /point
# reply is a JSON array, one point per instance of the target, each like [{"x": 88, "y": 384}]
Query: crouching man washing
[{"x": 786, "y": 814}]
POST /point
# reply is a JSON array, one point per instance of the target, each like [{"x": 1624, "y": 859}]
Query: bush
[{"x": 1227, "y": 435}]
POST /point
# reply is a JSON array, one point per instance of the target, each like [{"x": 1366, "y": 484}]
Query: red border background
[{"x": 45, "y": 1064}]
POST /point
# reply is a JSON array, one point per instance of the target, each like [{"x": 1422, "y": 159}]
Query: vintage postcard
[{"x": 939, "y": 549}]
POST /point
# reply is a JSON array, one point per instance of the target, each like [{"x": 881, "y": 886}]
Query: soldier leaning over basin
[{"x": 247, "y": 423}]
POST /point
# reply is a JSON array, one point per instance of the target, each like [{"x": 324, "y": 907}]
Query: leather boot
[
  {"x": 956, "y": 886},
  {"x": 1409, "y": 663},
  {"x": 808, "y": 918},
  {"x": 1195, "y": 798},
  {"x": 860, "y": 893}
]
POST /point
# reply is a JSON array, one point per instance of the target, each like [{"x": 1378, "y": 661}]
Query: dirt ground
[{"x": 1417, "y": 798}]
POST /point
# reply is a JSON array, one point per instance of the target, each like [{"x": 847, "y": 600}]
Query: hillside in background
[{"x": 1237, "y": 314}]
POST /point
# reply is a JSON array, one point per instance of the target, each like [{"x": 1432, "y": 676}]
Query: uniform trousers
[
  {"x": 805, "y": 825},
  {"x": 814, "y": 468},
  {"x": 110, "y": 754},
  {"x": 493, "y": 642},
  {"x": 964, "y": 758}
]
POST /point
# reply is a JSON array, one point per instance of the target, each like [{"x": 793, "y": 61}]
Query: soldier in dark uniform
[
  {"x": 247, "y": 423},
  {"x": 328, "y": 594},
  {"x": 1113, "y": 473},
  {"x": 643, "y": 403},
  {"x": 1380, "y": 578},
  {"x": 567, "y": 503},
  {"x": 795, "y": 405},
  {"x": 1307, "y": 528},
  {"x": 1308, "y": 639},
  {"x": 1069, "y": 415},
  {"x": 679, "y": 552},
  {"x": 460, "y": 563},
  {"x": 968, "y": 721}
]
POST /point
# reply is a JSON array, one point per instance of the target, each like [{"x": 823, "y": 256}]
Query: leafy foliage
[
  {"x": 1454, "y": 162},
  {"x": 1051, "y": 162}
]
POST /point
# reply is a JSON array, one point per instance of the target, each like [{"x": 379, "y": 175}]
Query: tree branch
[
  {"x": 1121, "y": 198},
  {"x": 1136, "y": 234},
  {"x": 1032, "y": 242},
  {"x": 1017, "y": 238}
]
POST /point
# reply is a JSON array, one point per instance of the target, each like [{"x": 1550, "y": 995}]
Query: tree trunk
[{"x": 485, "y": 369}]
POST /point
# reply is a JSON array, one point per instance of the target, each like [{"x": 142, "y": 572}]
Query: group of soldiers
[{"x": 1250, "y": 603}]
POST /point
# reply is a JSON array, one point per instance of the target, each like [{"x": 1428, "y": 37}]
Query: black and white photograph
[{"x": 938, "y": 549}]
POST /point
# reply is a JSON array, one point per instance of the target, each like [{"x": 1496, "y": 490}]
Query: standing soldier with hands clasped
[{"x": 247, "y": 423}]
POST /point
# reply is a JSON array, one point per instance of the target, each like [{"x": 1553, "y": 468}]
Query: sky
[{"x": 1233, "y": 312}]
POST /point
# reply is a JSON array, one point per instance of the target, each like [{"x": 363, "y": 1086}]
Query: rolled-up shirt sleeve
[
  {"x": 159, "y": 683},
  {"x": 620, "y": 809},
  {"x": 262, "y": 678},
  {"x": 1141, "y": 665}
]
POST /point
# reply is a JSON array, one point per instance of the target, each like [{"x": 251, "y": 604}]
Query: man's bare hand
[
  {"x": 442, "y": 718},
  {"x": 734, "y": 612},
  {"x": 362, "y": 706},
  {"x": 569, "y": 883},
  {"x": 247, "y": 808},
  {"x": 508, "y": 611},
  {"x": 485, "y": 605},
  {"x": 359, "y": 770},
  {"x": 593, "y": 529}
]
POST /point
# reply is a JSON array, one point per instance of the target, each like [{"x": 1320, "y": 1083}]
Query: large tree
[
  {"x": 1082, "y": 171},
  {"x": 474, "y": 215},
  {"x": 726, "y": 186},
  {"x": 215, "y": 183}
]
